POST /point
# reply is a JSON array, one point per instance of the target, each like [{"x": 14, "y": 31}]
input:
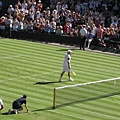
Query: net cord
[{"x": 68, "y": 86}]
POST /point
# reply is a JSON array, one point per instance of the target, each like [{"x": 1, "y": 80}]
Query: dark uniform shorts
[{"x": 16, "y": 105}]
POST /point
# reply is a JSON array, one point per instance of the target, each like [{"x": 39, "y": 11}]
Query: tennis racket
[{"x": 73, "y": 72}]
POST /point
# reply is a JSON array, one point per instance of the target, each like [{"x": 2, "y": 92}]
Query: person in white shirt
[
  {"x": 1, "y": 104},
  {"x": 67, "y": 66},
  {"x": 83, "y": 34}
]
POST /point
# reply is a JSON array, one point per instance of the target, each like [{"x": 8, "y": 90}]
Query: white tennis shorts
[{"x": 66, "y": 69}]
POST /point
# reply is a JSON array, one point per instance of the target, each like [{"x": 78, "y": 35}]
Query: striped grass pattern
[{"x": 34, "y": 69}]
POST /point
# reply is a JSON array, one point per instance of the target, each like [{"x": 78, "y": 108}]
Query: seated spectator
[
  {"x": 118, "y": 47},
  {"x": 102, "y": 43},
  {"x": 52, "y": 28},
  {"x": 118, "y": 32},
  {"x": 10, "y": 10},
  {"x": 67, "y": 28},
  {"x": 26, "y": 24},
  {"x": 74, "y": 32},
  {"x": 30, "y": 26},
  {"x": 112, "y": 34},
  {"x": 89, "y": 37},
  {"x": 21, "y": 15},
  {"x": 15, "y": 24},
  {"x": 59, "y": 29},
  {"x": 16, "y": 12},
  {"x": 39, "y": 5},
  {"x": 36, "y": 25},
  {"x": 100, "y": 32},
  {"x": 107, "y": 34},
  {"x": 24, "y": 5},
  {"x": 2, "y": 23},
  {"x": 19, "y": 4},
  {"x": 47, "y": 27},
  {"x": 41, "y": 27},
  {"x": 20, "y": 26},
  {"x": 42, "y": 19},
  {"x": 1, "y": 5}
]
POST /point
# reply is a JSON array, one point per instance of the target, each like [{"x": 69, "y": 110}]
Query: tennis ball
[{"x": 114, "y": 99}]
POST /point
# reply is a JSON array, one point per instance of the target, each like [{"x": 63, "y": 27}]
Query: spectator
[
  {"x": 41, "y": 27},
  {"x": 30, "y": 26},
  {"x": 59, "y": 29},
  {"x": 47, "y": 27},
  {"x": 16, "y": 12},
  {"x": 21, "y": 15},
  {"x": 2, "y": 23},
  {"x": 1, "y": 104},
  {"x": 67, "y": 28},
  {"x": 1, "y": 5},
  {"x": 107, "y": 34},
  {"x": 10, "y": 10},
  {"x": 113, "y": 34},
  {"x": 58, "y": 8},
  {"x": 89, "y": 37},
  {"x": 102, "y": 43},
  {"x": 25, "y": 26},
  {"x": 15, "y": 24},
  {"x": 52, "y": 28},
  {"x": 39, "y": 5},
  {"x": 62, "y": 18},
  {"x": 24, "y": 5},
  {"x": 20, "y": 26},
  {"x": 74, "y": 32},
  {"x": 100, "y": 32},
  {"x": 8, "y": 24},
  {"x": 83, "y": 35}
]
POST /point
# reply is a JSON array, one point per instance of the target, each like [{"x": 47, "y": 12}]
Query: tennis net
[{"x": 77, "y": 93}]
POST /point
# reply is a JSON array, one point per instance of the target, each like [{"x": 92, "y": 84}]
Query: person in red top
[{"x": 39, "y": 5}]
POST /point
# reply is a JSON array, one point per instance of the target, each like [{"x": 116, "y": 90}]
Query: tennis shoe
[
  {"x": 60, "y": 79},
  {"x": 71, "y": 79},
  {"x": 15, "y": 111},
  {"x": 9, "y": 111}
]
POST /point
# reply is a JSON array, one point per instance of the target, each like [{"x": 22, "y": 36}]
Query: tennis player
[
  {"x": 1, "y": 104},
  {"x": 67, "y": 66},
  {"x": 17, "y": 104}
]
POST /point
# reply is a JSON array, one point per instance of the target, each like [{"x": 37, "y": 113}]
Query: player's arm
[
  {"x": 26, "y": 107},
  {"x": 69, "y": 63}
]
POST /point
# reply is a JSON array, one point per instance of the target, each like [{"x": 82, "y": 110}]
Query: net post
[{"x": 54, "y": 98}]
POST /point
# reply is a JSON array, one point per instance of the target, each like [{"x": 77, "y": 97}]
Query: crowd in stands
[{"x": 66, "y": 17}]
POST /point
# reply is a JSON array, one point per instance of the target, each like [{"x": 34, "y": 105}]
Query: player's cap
[
  {"x": 24, "y": 96},
  {"x": 69, "y": 51}
]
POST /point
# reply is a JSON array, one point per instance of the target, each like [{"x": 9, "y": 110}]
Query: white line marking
[{"x": 8, "y": 57}]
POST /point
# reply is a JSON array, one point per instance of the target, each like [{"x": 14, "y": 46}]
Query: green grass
[{"x": 26, "y": 66}]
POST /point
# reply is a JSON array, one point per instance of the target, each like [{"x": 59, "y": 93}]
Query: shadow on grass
[
  {"x": 66, "y": 49},
  {"x": 88, "y": 99},
  {"x": 79, "y": 101},
  {"x": 49, "y": 82},
  {"x": 6, "y": 113}
]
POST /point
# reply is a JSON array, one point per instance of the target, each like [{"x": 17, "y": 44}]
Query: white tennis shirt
[{"x": 66, "y": 59}]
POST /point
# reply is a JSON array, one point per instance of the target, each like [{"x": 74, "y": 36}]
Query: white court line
[
  {"x": 8, "y": 57},
  {"x": 28, "y": 76}
]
